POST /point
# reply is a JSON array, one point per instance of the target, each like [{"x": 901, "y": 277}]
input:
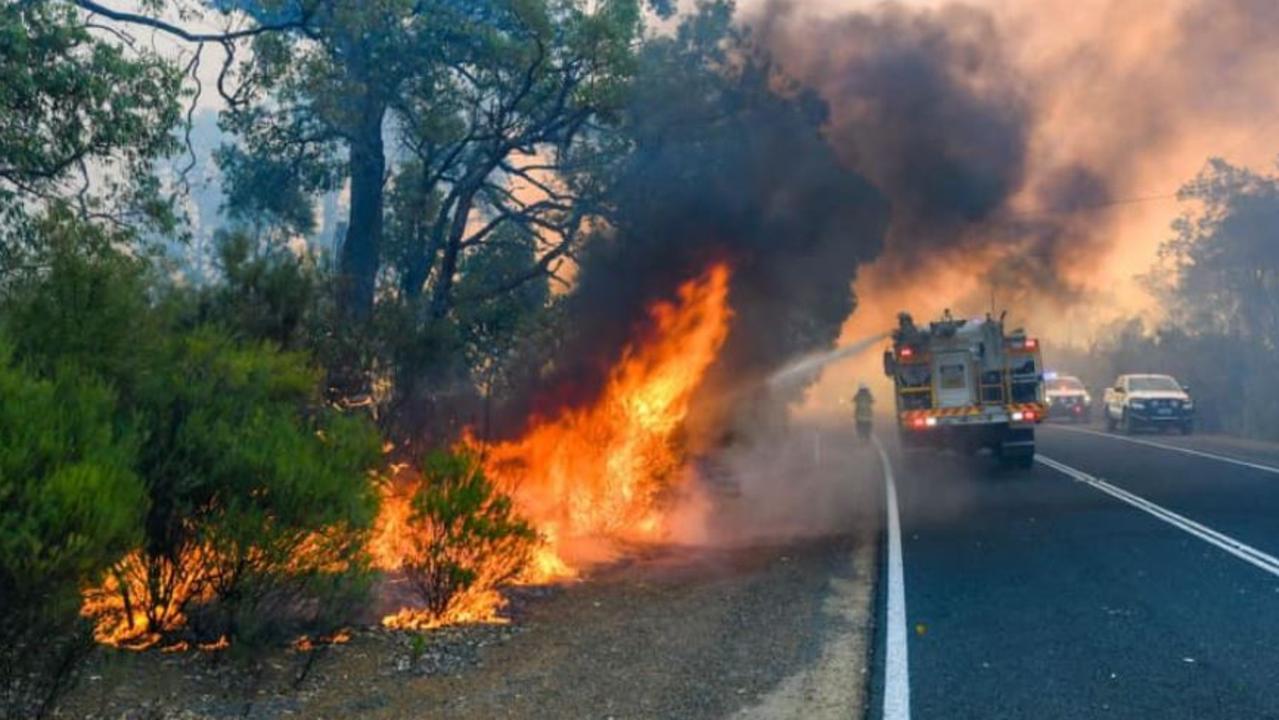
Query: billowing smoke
[
  {"x": 729, "y": 165},
  {"x": 1071, "y": 124},
  {"x": 799, "y": 152},
  {"x": 930, "y": 107},
  {"x": 964, "y": 148}
]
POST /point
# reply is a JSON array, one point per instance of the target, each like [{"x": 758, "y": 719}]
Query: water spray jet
[{"x": 807, "y": 367}]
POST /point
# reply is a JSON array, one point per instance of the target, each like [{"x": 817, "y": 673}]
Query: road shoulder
[{"x": 836, "y": 686}]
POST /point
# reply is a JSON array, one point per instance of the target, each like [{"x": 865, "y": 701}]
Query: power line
[
  {"x": 1086, "y": 207},
  {"x": 1139, "y": 199}
]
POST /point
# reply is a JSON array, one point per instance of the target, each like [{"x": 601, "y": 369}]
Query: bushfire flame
[
  {"x": 603, "y": 471},
  {"x": 594, "y": 474},
  {"x": 597, "y": 474}
]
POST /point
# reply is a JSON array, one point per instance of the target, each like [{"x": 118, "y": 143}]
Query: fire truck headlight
[
  {"x": 931, "y": 422},
  {"x": 1188, "y": 405},
  {"x": 1087, "y": 399},
  {"x": 1018, "y": 416}
]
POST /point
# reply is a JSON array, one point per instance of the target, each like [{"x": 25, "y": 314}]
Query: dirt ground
[
  {"x": 759, "y": 629},
  {"x": 677, "y": 633}
]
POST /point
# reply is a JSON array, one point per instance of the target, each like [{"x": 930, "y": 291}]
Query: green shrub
[
  {"x": 260, "y": 498},
  {"x": 70, "y": 505},
  {"x": 466, "y": 538},
  {"x": 266, "y": 291},
  {"x": 257, "y": 500},
  {"x": 90, "y": 309}
]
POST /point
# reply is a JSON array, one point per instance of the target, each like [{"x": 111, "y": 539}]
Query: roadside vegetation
[
  {"x": 195, "y": 437},
  {"x": 1218, "y": 281}
]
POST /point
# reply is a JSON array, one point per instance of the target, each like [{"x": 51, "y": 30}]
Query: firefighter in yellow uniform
[{"x": 863, "y": 410}]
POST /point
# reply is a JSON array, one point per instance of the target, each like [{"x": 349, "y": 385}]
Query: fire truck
[{"x": 967, "y": 385}]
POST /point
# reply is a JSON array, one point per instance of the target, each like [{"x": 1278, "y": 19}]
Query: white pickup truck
[{"x": 1148, "y": 401}]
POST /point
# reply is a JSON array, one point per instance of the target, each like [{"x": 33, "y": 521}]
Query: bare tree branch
[
  {"x": 183, "y": 33},
  {"x": 193, "y": 70}
]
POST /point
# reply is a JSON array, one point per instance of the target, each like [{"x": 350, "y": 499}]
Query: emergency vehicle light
[
  {"x": 1031, "y": 343},
  {"x": 906, "y": 352}
]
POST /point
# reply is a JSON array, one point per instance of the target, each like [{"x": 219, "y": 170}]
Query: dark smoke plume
[
  {"x": 804, "y": 147},
  {"x": 728, "y": 164},
  {"x": 788, "y": 147},
  {"x": 928, "y": 106}
]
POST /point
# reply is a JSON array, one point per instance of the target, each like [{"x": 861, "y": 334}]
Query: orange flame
[
  {"x": 392, "y": 545},
  {"x": 122, "y": 614},
  {"x": 602, "y": 472},
  {"x": 591, "y": 474},
  {"x": 595, "y": 474}
]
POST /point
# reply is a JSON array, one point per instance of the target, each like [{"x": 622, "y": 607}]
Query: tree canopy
[{"x": 82, "y": 118}]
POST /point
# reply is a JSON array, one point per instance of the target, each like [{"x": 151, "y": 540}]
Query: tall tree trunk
[
  {"x": 358, "y": 263},
  {"x": 442, "y": 297},
  {"x": 425, "y": 248}
]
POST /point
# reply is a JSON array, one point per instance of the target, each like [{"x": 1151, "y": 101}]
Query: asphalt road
[{"x": 1117, "y": 578}]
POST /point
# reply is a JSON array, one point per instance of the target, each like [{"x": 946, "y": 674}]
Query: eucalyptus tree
[
  {"x": 504, "y": 132},
  {"x": 82, "y": 118}
]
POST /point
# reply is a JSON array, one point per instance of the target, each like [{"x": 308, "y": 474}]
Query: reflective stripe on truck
[{"x": 1031, "y": 412}]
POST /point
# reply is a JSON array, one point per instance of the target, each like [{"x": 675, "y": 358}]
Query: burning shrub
[
  {"x": 257, "y": 500},
  {"x": 69, "y": 505},
  {"x": 464, "y": 541}
]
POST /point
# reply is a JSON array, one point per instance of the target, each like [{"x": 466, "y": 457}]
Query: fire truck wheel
[{"x": 1018, "y": 459}]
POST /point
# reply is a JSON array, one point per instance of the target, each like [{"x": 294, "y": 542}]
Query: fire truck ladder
[{"x": 994, "y": 393}]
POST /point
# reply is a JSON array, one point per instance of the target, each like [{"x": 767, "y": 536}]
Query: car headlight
[
  {"x": 1087, "y": 399},
  {"x": 1138, "y": 405},
  {"x": 1188, "y": 405}
]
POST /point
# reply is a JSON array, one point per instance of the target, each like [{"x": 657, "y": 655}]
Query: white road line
[
  {"x": 1240, "y": 550},
  {"x": 896, "y": 667},
  {"x": 1174, "y": 448}
]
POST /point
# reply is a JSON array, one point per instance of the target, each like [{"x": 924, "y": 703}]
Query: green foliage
[
  {"x": 472, "y": 91},
  {"x": 256, "y": 493},
  {"x": 505, "y": 334},
  {"x": 69, "y": 500},
  {"x": 466, "y": 538},
  {"x": 264, "y": 190},
  {"x": 266, "y": 292},
  {"x": 70, "y": 505},
  {"x": 1222, "y": 264},
  {"x": 69, "y": 99},
  {"x": 90, "y": 309}
]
